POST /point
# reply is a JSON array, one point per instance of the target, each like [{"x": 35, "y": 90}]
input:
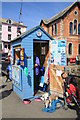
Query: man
[
  {"x": 7, "y": 74},
  {"x": 36, "y": 72}
]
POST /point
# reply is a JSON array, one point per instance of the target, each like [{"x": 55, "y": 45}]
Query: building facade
[
  {"x": 66, "y": 25},
  {"x": 9, "y": 29}
]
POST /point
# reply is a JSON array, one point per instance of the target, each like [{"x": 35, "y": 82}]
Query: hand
[{"x": 36, "y": 65}]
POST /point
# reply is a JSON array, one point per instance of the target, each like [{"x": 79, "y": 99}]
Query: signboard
[
  {"x": 22, "y": 57},
  {"x": 58, "y": 52},
  {"x": 16, "y": 75}
]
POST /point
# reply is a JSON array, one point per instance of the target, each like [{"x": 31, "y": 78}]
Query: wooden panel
[
  {"x": 46, "y": 59},
  {"x": 56, "y": 81}
]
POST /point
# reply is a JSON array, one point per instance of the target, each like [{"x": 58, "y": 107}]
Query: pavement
[{"x": 13, "y": 106}]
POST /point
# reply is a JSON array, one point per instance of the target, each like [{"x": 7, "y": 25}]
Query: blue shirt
[{"x": 37, "y": 67}]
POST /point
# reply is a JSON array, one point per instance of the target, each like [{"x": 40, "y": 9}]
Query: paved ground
[{"x": 13, "y": 107}]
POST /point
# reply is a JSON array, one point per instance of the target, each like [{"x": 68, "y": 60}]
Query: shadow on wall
[{"x": 29, "y": 80}]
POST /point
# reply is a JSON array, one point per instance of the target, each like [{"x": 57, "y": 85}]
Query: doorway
[{"x": 41, "y": 49}]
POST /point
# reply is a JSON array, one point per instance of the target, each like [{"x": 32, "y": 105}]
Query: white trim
[
  {"x": 75, "y": 11},
  {"x": 77, "y": 27}
]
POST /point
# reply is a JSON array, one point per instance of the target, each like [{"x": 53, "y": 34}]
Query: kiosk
[{"x": 23, "y": 48}]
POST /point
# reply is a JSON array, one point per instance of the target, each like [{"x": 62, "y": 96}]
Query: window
[
  {"x": 5, "y": 46},
  {"x": 16, "y": 53},
  {"x": 43, "y": 50},
  {"x": 55, "y": 28},
  {"x": 75, "y": 26},
  {"x": 70, "y": 49},
  {"x": 79, "y": 29},
  {"x": 0, "y": 36},
  {"x": 18, "y": 29},
  {"x": 9, "y": 28},
  {"x": 9, "y": 46},
  {"x": 75, "y": 12},
  {"x": 52, "y": 32},
  {"x": 0, "y": 27},
  {"x": 70, "y": 28},
  {"x": 79, "y": 49},
  {"x": 9, "y": 36},
  {"x": 9, "y": 21}
]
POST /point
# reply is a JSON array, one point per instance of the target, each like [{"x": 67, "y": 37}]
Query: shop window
[
  {"x": 70, "y": 28},
  {"x": 79, "y": 49},
  {"x": 75, "y": 26},
  {"x": 70, "y": 49},
  {"x": 16, "y": 53},
  {"x": 79, "y": 29},
  {"x": 0, "y": 27},
  {"x": 9, "y": 36},
  {"x": 9, "y": 28}
]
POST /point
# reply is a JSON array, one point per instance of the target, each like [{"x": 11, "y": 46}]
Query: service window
[{"x": 16, "y": 53}]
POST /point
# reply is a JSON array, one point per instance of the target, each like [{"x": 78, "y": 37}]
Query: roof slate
[
  {"x": 3, "y": 20},
  {"x": 60, "y": 14},
  {"x": 29, "y": 31}
]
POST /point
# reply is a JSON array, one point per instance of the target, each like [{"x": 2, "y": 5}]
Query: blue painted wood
[{"x": 27, "y": 44}]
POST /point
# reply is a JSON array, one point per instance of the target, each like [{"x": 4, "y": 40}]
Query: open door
[{"x": 41, "y": 49}]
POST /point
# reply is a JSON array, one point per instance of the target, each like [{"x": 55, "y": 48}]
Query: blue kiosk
[{"x": 23, "y": 48}]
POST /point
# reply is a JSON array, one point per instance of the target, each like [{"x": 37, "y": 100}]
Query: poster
[
  {"x": 58, "y": 52},
  {"x": 16, "y": 75}
]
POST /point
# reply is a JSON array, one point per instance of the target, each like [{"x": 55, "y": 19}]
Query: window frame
[
  {"x": 71, "y": 28},
  {"x": 9, "y": 36},
  {"x": 54, "y": 29},
  {"x": 0, "y": 36},
  {"x": 78, "y": 28},
  {"x": 79, "y": 48},
  {"x": 75, "y": 30},
  {"x": 69, "y": 48},
  {"x": 0, "y": 27},
  {"x": 9, "y": 28}
]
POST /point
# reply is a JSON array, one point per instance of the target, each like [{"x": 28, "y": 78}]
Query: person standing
[
  {"x": 7, "y": 74},
  {"x": 36, "y": 72}
]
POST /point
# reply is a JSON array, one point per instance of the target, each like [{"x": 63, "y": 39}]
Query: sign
[
  {"x": 22, "y": 57},
  {"x": 58, "y": 52},
  {"x": 16, "y": 75}
]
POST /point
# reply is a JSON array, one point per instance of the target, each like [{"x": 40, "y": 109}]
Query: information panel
[{"x": 58, "y": 52}]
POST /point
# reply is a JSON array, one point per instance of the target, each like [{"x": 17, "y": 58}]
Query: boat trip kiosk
[{"x": 23, "y": 50}]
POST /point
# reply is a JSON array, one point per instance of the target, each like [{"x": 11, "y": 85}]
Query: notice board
[{"x": 57, "y": 65}]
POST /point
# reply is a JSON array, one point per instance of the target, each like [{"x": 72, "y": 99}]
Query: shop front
[{"x": 24, "y": 48}]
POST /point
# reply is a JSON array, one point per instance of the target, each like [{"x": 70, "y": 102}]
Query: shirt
[{"x": 37, "y": 67}]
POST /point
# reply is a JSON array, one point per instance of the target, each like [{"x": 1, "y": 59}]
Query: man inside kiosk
[{"x": 36, "y": 73}]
